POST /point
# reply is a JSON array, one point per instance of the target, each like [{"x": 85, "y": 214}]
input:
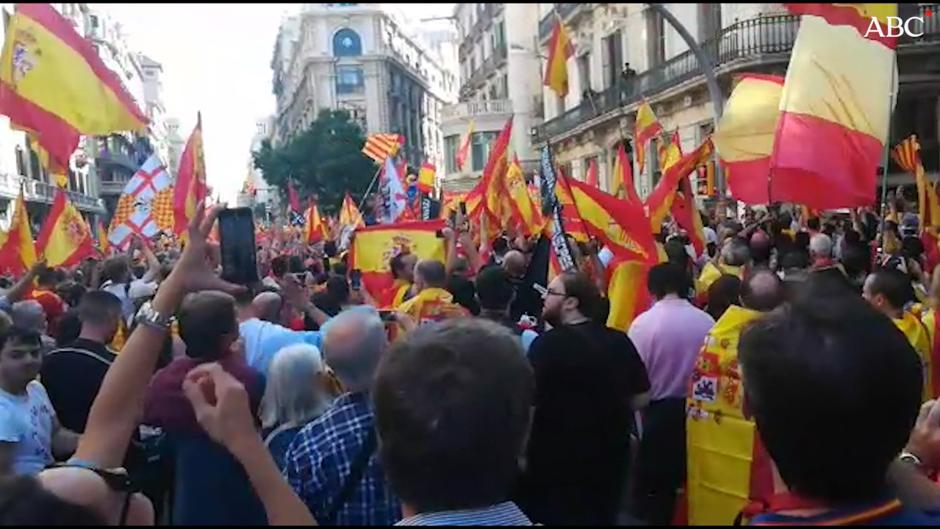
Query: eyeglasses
[{"x": 544, "y": 292}]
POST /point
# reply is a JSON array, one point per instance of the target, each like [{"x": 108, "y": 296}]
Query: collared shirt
[
  {"x": 885, "y": 512},
  {"x": 320, "y": 459},
  {"x": 668, "y": 338},
  {"x": 500, "y": 514}
]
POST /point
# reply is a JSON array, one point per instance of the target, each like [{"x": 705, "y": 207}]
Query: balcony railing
[
  {"x": 497, "y": 57},
  {"x": 477, "y": 108},
  {"x": 41, "y": 191}
]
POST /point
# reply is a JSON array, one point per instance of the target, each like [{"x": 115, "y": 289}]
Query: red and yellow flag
[
  {"x": 349, "y": 214},
  {"x": 623, "y": 177},
  {"x": 659, "y": 203},
  {"x": 496, "y": 202},
  {"x": 647, "y": 128},
  {"x": 103, "y": 245},
  {"x": 381, "y": 146},
  {"x": 374, "y": 247},
  {"x": 426, "y": 176},
  {"x": 669, "y": 153},
  {"x": 837, "y": 93},
  {"x": 529, "y": 216},
  {"x": 55, "y": 86},
  {"x": 907, "y": 155},
  {"x": 745, "y": 136},
  {"x": 65, "y": 238},
  {"x": 17, "y": 252},
  {"x": 464, "y": 150},
  {"x": 559, "y": 51},
  {"x": 591, "y": 178},
  {"x": 315, "y": 229},
  {"x": 190, "y": 188},
  {"x": 687, "y": 216},
  {"x": 570, "y": 218}
]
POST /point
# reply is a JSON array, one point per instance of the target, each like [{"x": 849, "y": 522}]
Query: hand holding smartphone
[
  {"x": 355, "y": 279},
  {"x": 237, "y": 246}
]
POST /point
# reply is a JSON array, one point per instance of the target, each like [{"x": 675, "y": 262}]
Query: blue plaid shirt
[{"x": 320, "y": 459}]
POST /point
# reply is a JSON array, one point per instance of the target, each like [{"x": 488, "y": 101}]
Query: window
[
  {"x": 504, "y": 86},
  {"x": 346, "y": 43},
  {"x": 349, "y": 80},
  {"x": 612, "y": 55},
  {"x": 20, "y": 161},
  {"x": 499, "y": 36},
  {"x": 451, "y": 146},
  {"x": 480, "y": 149},
  {"x": 584, "y": 71}
]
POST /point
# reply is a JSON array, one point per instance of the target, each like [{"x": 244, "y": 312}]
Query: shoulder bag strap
[{"x": 356, "y": 472}]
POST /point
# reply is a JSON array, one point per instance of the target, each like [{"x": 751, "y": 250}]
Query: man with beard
[{"x": 589, "y": 381}]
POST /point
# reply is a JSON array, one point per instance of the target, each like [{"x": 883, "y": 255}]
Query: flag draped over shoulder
[
  {"x": 190, "y": 189},
  {"x": 65, "y": 238},
  {"x": 17, "y": 252},
  {"x": 837, "y": 94},
  {"x": 745, "y": 136},
  {"x": 647, "y": 127},
  {"x": 55, "y": 86},
  {"x": 374, "y": 247},
  {"x": 559, "y": 51}
]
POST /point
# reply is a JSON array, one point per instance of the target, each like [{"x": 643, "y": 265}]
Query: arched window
[{"x": 346, "y": 43}]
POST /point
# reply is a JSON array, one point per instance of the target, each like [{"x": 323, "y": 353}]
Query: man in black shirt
[
  {"x": 72, "y": 375},
  {"x": 589, "y": 382},
  {"x": 526, "y": 300}
]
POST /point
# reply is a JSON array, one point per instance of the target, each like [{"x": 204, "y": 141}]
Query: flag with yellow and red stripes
[{"x": 381, "y": 146}]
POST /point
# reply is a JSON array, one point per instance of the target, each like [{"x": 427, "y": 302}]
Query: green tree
[{"x": 325, "y": 161}]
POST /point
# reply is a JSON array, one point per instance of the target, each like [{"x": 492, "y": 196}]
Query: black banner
[
  {"x": 430, "y": 208},
  {"x": 552, "y": 207}
]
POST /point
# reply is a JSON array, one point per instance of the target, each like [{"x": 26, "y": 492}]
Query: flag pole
[
  {"x": 371, "y": 185},
  {"x": 884, "y": 160}
]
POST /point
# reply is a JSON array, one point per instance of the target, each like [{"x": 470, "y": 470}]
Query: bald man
[
  {"x": 526, "y": 301},
  {"x": 432, "y": 302},
  {"x": 267, "y": 306}
]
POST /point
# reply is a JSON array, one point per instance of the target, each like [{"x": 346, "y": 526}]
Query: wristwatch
[
  {"x": 914, "y": 460},
  {"x": 149, "y": 316}
]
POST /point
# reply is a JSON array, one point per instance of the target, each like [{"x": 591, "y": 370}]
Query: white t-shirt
[
  {"x": 27, "y": 421},
  {"x": 121, "y": 290}
]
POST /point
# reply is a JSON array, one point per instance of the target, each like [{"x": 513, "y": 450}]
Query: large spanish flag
[
  {"x": 54, "y": 85},
  {"x": 745, "y": 136},
  {"x": 646, "y": 128},
  {"x": 374, "y": 247},
  {"x": 835, "y": 108},
  {"x": 349, "y": 214},
  {"x": 190, "y": 188},
  {"x": 556, "y": 68},
  {"x": 65, "y": 238},
  {"x": 659, "y": 203},
  {"x": 17, "y": 252}
]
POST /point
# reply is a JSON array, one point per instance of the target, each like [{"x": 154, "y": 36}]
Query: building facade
[
  {"x": 599, "y": 112},
  {"x": 500, "y": 78},
  {"x": 355, "y": 57},
  {"x": 256, "y": 193}
]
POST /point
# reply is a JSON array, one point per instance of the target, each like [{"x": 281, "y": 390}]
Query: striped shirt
[{"x": 501, "y": 514}]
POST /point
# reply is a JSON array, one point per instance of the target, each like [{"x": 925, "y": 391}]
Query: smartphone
[
  {"x": 463, "y": 209},
  {"x": 387, "y": 315},
  {"x": 355, "y": 279},
  {"x": 237, "y": 245}
]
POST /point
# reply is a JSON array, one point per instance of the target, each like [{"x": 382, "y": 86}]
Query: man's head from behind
[
  {"x": 453, "y": 406},
  {"x": 888, "y": 290},
  {"x": 117, "y": 269},
  {"x": 514, "y": 263},
  {"x": 267, "y": 306},
  {"x": 353, "y": 343},
  {"x": 818, "y": 374},
  {"x": 100, "y": 314},
  {"x": 735, "y": 252},
  {"x": 207, "y": 325},
  {"x": 403, "y": 266},
  {"x": 48, "y": 278},
  {"x": 668, "y": 278},
  {"x": 820, "y": 246},
  {"x": 494, "y": 290},
  {"x": 762, "y": 291},
  {"x": 430, "y": 274}
]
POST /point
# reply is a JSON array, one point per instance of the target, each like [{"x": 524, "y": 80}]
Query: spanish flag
[
  {"x": 374, "y": 247},
  {"x": 687, "y": 216},
  {"x": 496, "y": 202},
  {"x": 426, "y": 177},
  {"x": 559, "y": 51},
  {"x": 314, "y": 227},
  {"x": 745, "y": 136},
  {"x": 190, "y": 188},
  {"x": 17, "y": 252},
  {"x": 669, "y": 153},
  {"x": 349, "y": 214},
  {"x": 570, "y": 218},
  {"x": 591, "y": 178},
  {"x": 837, "y": 94},
  {"x": 528, "y": 214},
  {"x": 659, "y": 203},
  {"x": 54, "y": 85},
  {"x": 647, "y": 127},
  {"x": 464, "y": 150},
  {"x": 103, "y": 245},
  {"x": 65, "y": 238},
  {"x": 623, "y": 177}
]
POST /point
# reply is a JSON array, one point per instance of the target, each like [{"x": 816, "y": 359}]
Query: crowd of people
[{"x": 786, "y": 374}]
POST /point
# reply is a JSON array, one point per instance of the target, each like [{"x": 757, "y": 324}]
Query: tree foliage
[{"x": 325, "y": 161}]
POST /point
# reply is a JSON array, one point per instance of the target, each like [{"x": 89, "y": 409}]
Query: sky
[{"x": 216, "y": 59}]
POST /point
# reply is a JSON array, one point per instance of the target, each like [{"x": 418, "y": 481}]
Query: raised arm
[
  {"x": 23, "y": 285},
  {"x": 114, "y": 414}
]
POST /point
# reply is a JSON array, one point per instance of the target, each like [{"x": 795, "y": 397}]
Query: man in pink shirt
[{"x": 668, "y": 338}]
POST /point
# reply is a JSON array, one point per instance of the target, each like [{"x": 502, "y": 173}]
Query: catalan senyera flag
[
  {"x": 591, "y": 177},
  {"x": 17, "y": 251},
  {"x": 530, "y": 216},
  {"x": 745, "y": 136},
  {"x": 374, "y": 247},
  {"x": 381, "y": 146},
  {"x": 907, "y": 155},
  {"x": 349, "y": 214},
  {"x": 65, "y": 238},
  {"x": 315, "y": 229},
  {"x": 647, "y": 127},
  {"x": 559, "y": 51},
  {"x": 55, "y": 86},
  {"x": 623, "y": 177},
  {"x": 190, "y": 189},
  {"x": 836, "y": 94},
  {"x": 659, "y": 203},
  {"x": 464, "y": 150}
]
